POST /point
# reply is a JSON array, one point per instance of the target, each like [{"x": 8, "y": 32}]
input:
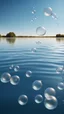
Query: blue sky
[{"x": 16, "y": 16}]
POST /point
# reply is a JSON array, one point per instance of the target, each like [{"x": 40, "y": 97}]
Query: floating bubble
[
  {"x": 39, "y": 99},
  {"x": 14, "y": 80},
  {"x": 33, "y": 50},
  {"x": 34, "y": 11},
  {"x": 40, "y": 31},
  {"x": 51, "y": 103},
  {"x": 11, "y": 67},
  {"x": 22, "y": 100},
  {"x": 49, "y": 92},
  {"x": 59, "y": 70},
  {"x": 37, "y": 85},
  {"x": 60, "y": 86},
  {"x": 54, "y": 16},
  {"x": 28, "y": 73},
  {"x": 5, "y": 77},
  {"x": 16, "y": 68},
  {"x": 48, "y": 11}
]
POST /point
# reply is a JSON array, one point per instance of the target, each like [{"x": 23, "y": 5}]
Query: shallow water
[{"x": 43, "y": 62}]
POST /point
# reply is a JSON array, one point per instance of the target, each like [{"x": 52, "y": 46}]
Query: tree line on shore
[{"x": 12, "y": 34}]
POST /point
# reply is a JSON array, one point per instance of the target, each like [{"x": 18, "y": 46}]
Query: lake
[{"x": 41, "y": 56}]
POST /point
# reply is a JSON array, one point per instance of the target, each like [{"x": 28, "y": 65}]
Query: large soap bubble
[
  {"x": 40, "y": 31},
  {"x": 49, "y": 92},
  {"x": 5, "y": 77},
  {"x": 28, "y": 73},
  {"x": 61, "y": 86},
  {"x": 48, "y": 11},
  {"x": 14, "y": 80},
  {"x": 51, "y": 103},
  {"x": 22, "y": 100},
  {"x": 39, "y": 99},
  {"x": 37, "y": 85}
]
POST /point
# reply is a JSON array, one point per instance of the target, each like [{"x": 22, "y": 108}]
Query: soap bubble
[
  {"x": 11, "y": 67},
  {"x": 48, "y": 11},
  {"x": 60, "y": 86},
  {"x": 54, "y": 16},
  {"x": 33, "y": 50},
  {"x": 28, "y": 73},
  {"x": 51, "y": 103},
  {"x": 14, "y": 80},
  {"x": 16, "y": 68},
  {"x": 22, "y": 100},
  {"x": 38, "y": 42},
  {"x": 37, "y": 85},
  {"x": 5, "y": 77},
  {"x": 40, "y": 31},
  {"x": 39, "y": 99},
  {"x": 34, "y": 11},
  {"x": 49, "y": 92},
  {"x": 59, "y": 70}
]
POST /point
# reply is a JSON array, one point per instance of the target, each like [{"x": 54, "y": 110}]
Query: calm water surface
[{"x": 43, "y": 62}]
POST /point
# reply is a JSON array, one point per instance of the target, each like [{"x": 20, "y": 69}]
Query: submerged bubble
[
  {"x": 16, "y": 68},
  {"x": 22, "y": 100},
  {"x": 40, "y": 31},
  {"x": 48, "y": 11},
  {"x": 61, "y": 86},
  {"x": 14, "y": 80},
  {"x": 28, "y": 73},
  {"x": 39, "y": 99},
  {"x": 49, "y": 92},
  {"x": 51, "y": 104},
  {"x": 37, "y": 85},
  {"x": 5, "y": 77}
]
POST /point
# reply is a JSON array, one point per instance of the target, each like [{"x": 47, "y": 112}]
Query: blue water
[{"x": 43, "y": 63}]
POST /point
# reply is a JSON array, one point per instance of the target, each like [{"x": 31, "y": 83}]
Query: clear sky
[{"x": 16, "y": 16}]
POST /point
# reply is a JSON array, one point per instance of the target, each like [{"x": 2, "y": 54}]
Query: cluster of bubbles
[
  {"x": 6, "y": 77},
  {"x": 50, "y": 101},
  {"x": 34, "y": 15},
  {"x": 60, "y": 70},
  {"x": 15, "y": 68},
  {"x": 49, "y": 12}
]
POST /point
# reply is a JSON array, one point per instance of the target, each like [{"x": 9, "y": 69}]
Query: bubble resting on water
[
  {"x": 22, "y": 100},
  {"x": 14, "y": 80},
  {"x": 5, "y": 77}
]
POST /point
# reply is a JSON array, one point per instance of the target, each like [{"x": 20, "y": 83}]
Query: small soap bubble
[
  {"x": 5, "y": 77},
  {"x": 40, "y": 31},
  {"x": 51, "y": 103},
  {"x": 33, "y": 50},
  {"x": 61, "y": 86},
  {"x": 59, "y": 70},
  {"x": 14, "y": 80},
  {"x": 22, "y": 100},
  {"x": 54, "y": 16},
  {"x": 48, "y": 11},
  {"x": 16, "y": 68},
  {"x": 28, "y": 73},
  {"x": 11, "y": 67},
  {"x": 37, "y": 85},
  {"x": 49, "y": 92},
  {"x": 39, "y": 99}
]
